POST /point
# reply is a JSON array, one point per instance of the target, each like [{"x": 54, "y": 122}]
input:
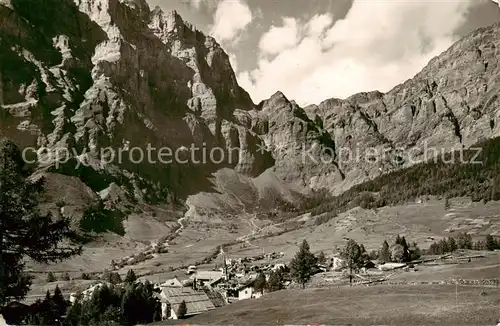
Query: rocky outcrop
[
  {"x": 91, "y": 74},
  {"x": 451, "y": 104},
  {"x": 85, "y": 75}
]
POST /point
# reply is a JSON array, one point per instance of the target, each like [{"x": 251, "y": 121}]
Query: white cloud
[
  {"x": 233, "y": 61},
  {"x": 278, "y": 39},
  {"x": 319, "y": 23},
  {"x": 230, "y": 18},
  {"x": 199, "y": 4},
  {"x": 378, "y": 45}
]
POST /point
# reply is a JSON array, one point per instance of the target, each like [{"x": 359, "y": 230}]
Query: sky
[{"x": 312, "y": 50}]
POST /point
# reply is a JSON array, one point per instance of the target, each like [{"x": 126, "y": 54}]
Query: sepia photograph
[{"x": 249, "y": 162}]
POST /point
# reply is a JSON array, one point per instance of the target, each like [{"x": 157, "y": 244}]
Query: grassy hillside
[
  {"x": 435, "y": 177},
  {"x": 375, "y": 305}
]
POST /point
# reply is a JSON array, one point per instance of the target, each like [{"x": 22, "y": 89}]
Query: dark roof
[
  {"x": 216, "y": 297},
  {"x": 196, "y": 301}
]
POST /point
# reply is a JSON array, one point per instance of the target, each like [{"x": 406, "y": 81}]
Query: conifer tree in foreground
[
  {"x": 131, "y": 277},
  {"x": 303, "y": 264},
  {"x": 24, "y": 230}
]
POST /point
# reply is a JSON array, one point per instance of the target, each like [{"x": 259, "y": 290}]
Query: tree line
[
  {"x": 436, "y": 177},
  {"x": 129, "y": 303},
  {"x": 463, "y": 241}
]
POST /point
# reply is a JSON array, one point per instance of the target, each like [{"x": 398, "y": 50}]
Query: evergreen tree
[
  {"x": 414, "y": 252},
  {"x": 479, "y": 245},
  {"x": 74, "y": 313},
  {"x": 385, "y": 253},
  {"x": 464, "y": 241},
  {"x": 321, "y": 258},
  {"x": 452, "y": 244},
  {"x": 491, "y": 244},
  {"x": 60, "y": 305},
  {"x": 303, "y": 264},
  {"x": 51, "y": 277},
  {"x": 66, "y": 277},
  {"x": 24, "y": 230},
  {"x": 182, "y": 310},
  {"x": 130, "y": 278},
  {"x": 260, "y": 283},
  {"x": 406, "y": 250},
  {"x": 354, "y": 257},
  {"x": 275, "y": 282},
  {"x": 443, "y": 246}
]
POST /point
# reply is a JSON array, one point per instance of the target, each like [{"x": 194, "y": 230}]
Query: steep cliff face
[
  {"x": 452, "y": 104},
  {"x": 91, "y": 74}
]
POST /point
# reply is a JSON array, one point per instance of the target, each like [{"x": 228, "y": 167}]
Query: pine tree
[
  {"x": 60, "y": 305},
  {"x": 182, "y": 310},
  {"x": 464, "y": 241},
  {"x": 406, "y": 251},
  {"x": 385, "y": 253},
  {"x": 491, "y": 244},
  {"x": 321, "y": 258},
  {"x": 51, "y": 277},
  {"x": 275, "y": 282},
  {"x": 452, "y": 244},
  {"x": 303, "y": 264},
  {"x": 114, "y": 278},
  {"x": 260, "y": 283},
  {"x": 24, "y": 230},
  {"x": 131, "y": 277},
  {"x": 354, "y": 257},
  {"x": 66, "y": 277},
  {"x": 74, "y": 313}
]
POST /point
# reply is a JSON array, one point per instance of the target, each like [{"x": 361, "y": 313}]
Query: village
[{"x": 197, "y": 289}]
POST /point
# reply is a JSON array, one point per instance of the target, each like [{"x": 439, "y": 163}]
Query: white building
[
  {"x": 338, "y": 263},
  {"x": 87, "y": 294},
  {"x": 248, "y": 292}
]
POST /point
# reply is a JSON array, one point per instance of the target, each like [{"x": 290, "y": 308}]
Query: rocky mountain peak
[
  {"x": 93, "y": 74},
  {"x": 139, "y": 5}
]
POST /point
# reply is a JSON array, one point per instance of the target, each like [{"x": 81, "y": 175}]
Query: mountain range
[{"x": 90, "y": 75}]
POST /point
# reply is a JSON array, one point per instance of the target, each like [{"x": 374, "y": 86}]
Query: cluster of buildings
[{"x": 205, "y": 290}]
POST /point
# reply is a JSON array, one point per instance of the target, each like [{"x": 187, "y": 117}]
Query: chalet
[
  {"x": 244, "y": 290},
  {"x": 197, "y": 302},
  {"x": 247, "y": 291}
]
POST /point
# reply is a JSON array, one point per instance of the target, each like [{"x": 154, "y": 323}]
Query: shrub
[
  {"x": 51, "y": 277},
  {"x": 66, "y": 277},
  {"x": 182, "y": 310}
]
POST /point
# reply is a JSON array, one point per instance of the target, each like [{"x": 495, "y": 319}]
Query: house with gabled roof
[
  {"x": 204, "y": 278},
  {"x": 174, "y": 282}
]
